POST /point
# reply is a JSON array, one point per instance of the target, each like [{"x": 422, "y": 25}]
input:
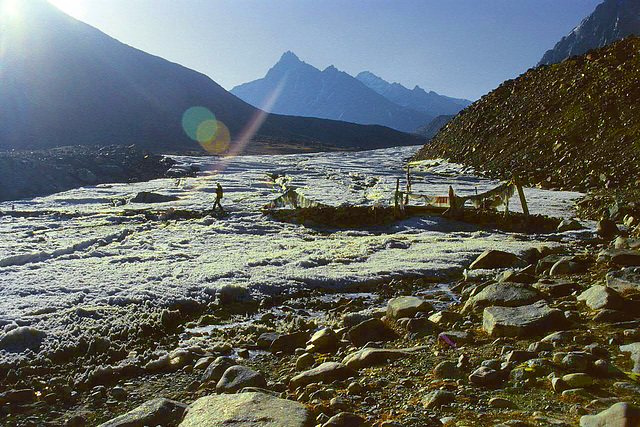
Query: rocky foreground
[{"x": 551, "y": 338}]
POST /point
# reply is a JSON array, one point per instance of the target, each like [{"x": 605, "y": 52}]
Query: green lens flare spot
[{"x": 193, "y": 120}]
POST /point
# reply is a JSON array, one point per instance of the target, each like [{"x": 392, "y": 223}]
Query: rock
[
  {"x": 627, "y": 386},
  {"x": 344, "y": 419},
  {"x": 604, "y": 369},
  {"x": 566, "y": 266},
  {"x": 327, "y": 372},
  {"x": 556, "y": 288},
  {"x": 486, "y": 377},
  {"x": 559, "y": 337},
  {"x": 246, "y": 410},
  {"x": 445, "y": 318},
  {"x": 559, "y": 385},
  {"x": 539, "y": 346},
  {"x": 613, "y": 316},
  {"x": 203, "y": 363},
  {"x": 419, "y": 327},
  {"x": 598, "y": 297},
  {"x": 491, "y": 259},
  {"x": 522, "y": 321},
  {"x": 20, "y": 397},
  {"x": 606, "y": 228},
  {"x": 569, "y": 225},
  {"x": 504, "y": 295},
  {"x": 619, "y": 415},
  {"x": 446, "y": 369},
  {"x": 305, "y": 361},
  {"x": 501, "y": 403},
  {"x": 549, "y": 261},
  {"x": 289, "y": 342},
  {"x": 457, "y": 337},
  {"x": 519, "y": 356},
  {"x": 623, "y": 257},
  {"x": 373, "y": 330},
  {"x": 266, "y": 339},
  {"x": 515, "y": 277},
  {"x": 438, "y": 398},
  {"x": 22, "y": 338},
  {"x": 577, "y": 361},
  {"x": 87, "y": 176},
  {"x": 323, "y": 341},
  {"x": 624, "y": 279},
  {"x": 153, "y": 412},
  {"x": 406, "y": 307},
  {"x": 148, "y": 197},
  {"x": 238, "y": 377},
  {"x": 216, "y": 369},
  {"x": 578, "y": 380},
  {"x": 375, "y": 356}
]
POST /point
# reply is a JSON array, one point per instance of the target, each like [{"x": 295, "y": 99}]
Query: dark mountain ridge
[
  {"x": 417, "y": 99},
  {"x": 331, "y": 94},
  {"x": 612, "y": 20},
  {"x": 66, "y": 83},
  {"x": 572, "y": 125}
]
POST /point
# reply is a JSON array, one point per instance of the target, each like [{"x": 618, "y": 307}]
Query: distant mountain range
[
  {"x": 430, "y": 130},
  {"x": 575, "y": 125},
  {"x": 63, "y": 82},
  {"x": 612, "y": 20},
  {"x": 306, "y": 91}
]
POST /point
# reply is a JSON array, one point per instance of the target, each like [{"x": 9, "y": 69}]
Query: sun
[{"x": 75, "y": 8}]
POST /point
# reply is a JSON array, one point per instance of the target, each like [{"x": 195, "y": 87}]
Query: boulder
[
  {"x": 153, "y": 412},
  {"x": 372, "y": 330},
  {"x": 491, "y": 259},
  {"x": 446, "y": 369},
  {"x": 619, "y": 415},
  {"x": 406, "y": 307},
  {"x": 607, "y": 228},
  {"x": 148, "y": 197},
  {"x": 516, "y": 277},
  {"x": 445, "y": 318},
  {"x": 266, "y": 339},
  {"x": 549, "y": 261},
  {"x": 344, "y": 419},
  {"x": 504, "y": 295},
  {"x": 623, "y": 257},
  {"x": 438, "y": 398},
  {"x": 327, "y": 372},
  {"x": 486, "y": 377},
  {"x": 522, "y": 321},
  {"x": 569, "y": 225},
  {"x": 556, "y": 288},
  {"x": 238, "y": 377},
  {"x": 289, "y": 342},
  {"x": 376, "y": 356},
  {"x": 566, "y": 266},
  {"x": 246, "y": 410},
  {"x": 624, "y": 279},
  {"x": 598, "y": 297},
  {"x": 577, "y": 380},
  {"x": 323, "y": 341},
  {"x": 217, "y": 368},
  {"x": 21, "y": 339}
]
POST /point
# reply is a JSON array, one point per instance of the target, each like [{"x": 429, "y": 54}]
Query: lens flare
[
  {"x": 198, "y": 122},
  {"x": 220, "y": 141}
]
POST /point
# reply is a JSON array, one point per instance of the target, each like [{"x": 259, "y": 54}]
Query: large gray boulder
[
  {"x": 491, "y": 259},
  {"x": 153, "y": 412},
  {"x": 504, "y": 295},
  {"x": 375, "y": 356},
  {"x": 619, "y": 415},
  {"x": 624, "y": 257},
  {"x": 246, "y": 410},
  {"x": 327, "y": 372},
  {"x": 522, "y": 321},
  {"x": 239, "y": 377},
  {"x": 598, "y": 297},
  {"x": 406, "y": 307}
]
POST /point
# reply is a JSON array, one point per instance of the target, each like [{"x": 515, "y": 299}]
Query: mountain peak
[{"x": 289, "y": 58}]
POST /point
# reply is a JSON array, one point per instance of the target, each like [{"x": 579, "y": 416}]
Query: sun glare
[
  {"x": 75, "y": 8},
  {"x": 9, "y": 7}
]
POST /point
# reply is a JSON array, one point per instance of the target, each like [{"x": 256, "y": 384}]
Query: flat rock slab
[
  {"x": 327, "y": 372},
  {"x": 627, "y": 278},
  {"x": 491, "y": 259},
  {"x": 598, "y": 297},
  {"x": 246, "y": 410},
  {"x": 406, "y": 307},
  {"x": 376, "y": 356},
  {"x": 153, "y": 412},
  {"x": 619, "y": 415},
  {"x": 625, "y": 257},
  {"x": 503, "y": 294},
  {"x": 522, "y": 321}
]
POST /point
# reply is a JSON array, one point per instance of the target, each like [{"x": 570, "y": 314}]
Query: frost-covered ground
[{"x": 50, "y": 265}]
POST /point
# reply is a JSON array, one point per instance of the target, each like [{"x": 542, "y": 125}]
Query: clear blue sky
[{"x": 460, "y": 48}]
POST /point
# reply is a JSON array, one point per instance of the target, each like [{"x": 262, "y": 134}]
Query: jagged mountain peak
[
  {"x": 289, "y": 57},
  {"x": 610, "y": 21}
]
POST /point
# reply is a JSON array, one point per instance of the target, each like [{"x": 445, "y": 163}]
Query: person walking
[{"x": 219, "y": 196}]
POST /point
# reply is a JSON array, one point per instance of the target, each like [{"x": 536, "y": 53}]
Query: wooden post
[
  {"x": 397, "y": 192},
  {"x": 523, "y": 201}
]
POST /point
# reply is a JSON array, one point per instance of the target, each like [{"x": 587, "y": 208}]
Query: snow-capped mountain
[
  {"x": 612, "y": 20},
  {"x": 332, "y": 94}
]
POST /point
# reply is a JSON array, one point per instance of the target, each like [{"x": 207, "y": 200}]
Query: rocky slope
[
  {"x": 431, "y": 129},
  {"x": 612, "y": 20},
  {"x": 304, "y": 90},
  {"x": 416, "y": 99},
  {"x": 569, "y": 125},
  {"x": 66, "y": 83}
]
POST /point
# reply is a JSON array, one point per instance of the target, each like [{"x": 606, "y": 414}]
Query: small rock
[
  {"x": 238, "y": 377},
  {"x": 327, "y": 372},
  {"x": 501, "y": 403},
  {"x": 600, "y": 297},
  {"x": 621, "y": 414},
  {"x": 565, "y": 266},
  {"x": 323, "y": 341},
  {"x": 445, "y": 318},
  {"x": 373, "y": 330},
  {"x": 406, "y": 307},
  {"x": 504, "y": 295},
  {"x": 624, "y": 279},
  {"x": 446, "y": 369},
  {"x": 522, "y": 321},
  {"x": 216, "y": 369},
  {"x": 491, "y": 259},
  {"x": 344, "y": 419},
  {"x": 578, "y": 380},
  {"x": 289, "y": 342},
  {"x": 569, "y": 225},
  {"x": 606, "y": 228},
  {"x": 305, "y": 361},
  {"x": 153, "y": 412},
  {"x": 559, "y": 385},
  {"x": 438, "y": 398},
  {"x": 375, "y": 356},
  {"x": 486, "y": 377},
  {"x": 556, "y": 288}
]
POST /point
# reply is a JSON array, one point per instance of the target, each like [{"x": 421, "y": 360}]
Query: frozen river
[{"x": 49, "y": 265}]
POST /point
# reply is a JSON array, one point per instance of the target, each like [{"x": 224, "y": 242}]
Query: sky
[{"x": 459, "y": 48}]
